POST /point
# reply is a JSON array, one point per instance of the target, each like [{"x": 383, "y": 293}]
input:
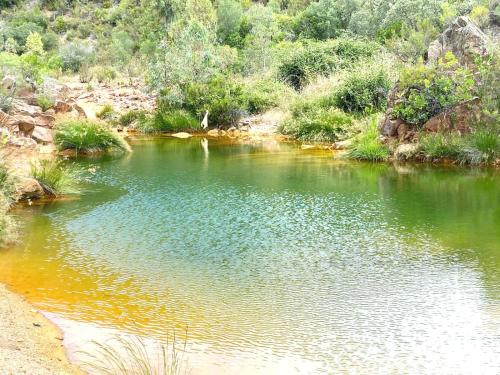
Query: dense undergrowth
[
  {"x": 7, "y": 225},
  {"x": 327, "y": 65}
]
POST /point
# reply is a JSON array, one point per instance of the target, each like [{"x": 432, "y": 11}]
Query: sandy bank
[{"x": 29, "y": 343}]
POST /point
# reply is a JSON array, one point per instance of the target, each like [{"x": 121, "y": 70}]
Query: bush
[
  {"x": 425, "y": 91},
  {"x": 222, "y": 98},
  {"x": 55, "y": 177},
  {"x": 87, "y": 136},
  {"x": 313, "y": 59},
  {"x": 74, "y": 55},
  {"x": 263, "y": 94},
  {"x": 129, "y": 117},
  {"x": 314, "y": 123},
  {"x": 324, "y": 19},
  {"x": 103, "y": 74},
  {"x": 363, "y": 92},
  {"x": 106, "y": 112},
  {"x": 174, "y": 121},
  {"x": 44, "y": 101},
  {"x": 367, "y": 145}
]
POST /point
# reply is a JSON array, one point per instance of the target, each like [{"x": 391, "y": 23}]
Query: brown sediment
[{"x": 29, "y": 343}]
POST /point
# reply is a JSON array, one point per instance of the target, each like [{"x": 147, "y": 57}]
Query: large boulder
[
  {"x": 42, "y": 135},
  {"x": 456, "y": 118},
  {"x": 44, "y": 120},
  {"x": 29, "y": 188},
  {"x": 26, "y": 124},
  {"x": 463, "y": 38},
  {"x": 8, "y": 83},
  {"x": 7, "y": 120}
]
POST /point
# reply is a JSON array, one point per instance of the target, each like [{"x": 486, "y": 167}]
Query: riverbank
[{"x": 29, "y": 343}]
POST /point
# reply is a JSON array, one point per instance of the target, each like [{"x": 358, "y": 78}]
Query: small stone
[{"x": 182, "y": 135}]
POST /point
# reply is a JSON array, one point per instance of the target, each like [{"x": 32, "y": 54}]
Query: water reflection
[{"x": 279, "y": 255}]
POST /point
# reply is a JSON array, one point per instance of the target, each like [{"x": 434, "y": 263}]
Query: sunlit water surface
[{"x": 278, "y": 261}]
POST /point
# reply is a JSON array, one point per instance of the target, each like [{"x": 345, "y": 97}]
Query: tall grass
[
  {"x": 440, "y": 146},
  {"x": 133, "y": 356},
  {"x": 87, "y": 136},
  {"x": 55, "y": 177},
  {"x": 367, "y": 145}
]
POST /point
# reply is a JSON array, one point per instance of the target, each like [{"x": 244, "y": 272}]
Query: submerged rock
[{"x": 182, "y": 135}]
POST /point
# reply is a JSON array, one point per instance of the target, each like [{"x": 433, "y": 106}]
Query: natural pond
[{"x": 276, "y": 259}]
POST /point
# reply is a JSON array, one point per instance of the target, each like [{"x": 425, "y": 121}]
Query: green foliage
[
  {"x": 411, "y": 43},
  {"x": 104, "y": 74},
  {"x": 425, "y": 91},
  {"x": 313, "y": 59},
  {"x": 173, "y": 121},
  {"x": 106, "y": 112},
  {"x": 480, "y": 15},
  {"x": 324, "y": 19},
  {"x": 367, "y": 145},
  {"x": 439, "y": 146},
  {"x": 229, "y": 13},
  {"x": 54, "y": 176},
  {"x": 223, "y": 99},
  {"x": 87, "y": 136},
  {"x": 34, "y": 44},
  {"x": 263, "y": 94},
  {"x": 363, "y": 92},
  {"x": 74, "y": 55},
  {"x": 129, "y": 117},
  {"x": 315, "y": 123},
  {"x": 44, "y": 101}
]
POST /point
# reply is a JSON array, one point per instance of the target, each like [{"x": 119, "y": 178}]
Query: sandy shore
[{"x": 29, "y": 343}]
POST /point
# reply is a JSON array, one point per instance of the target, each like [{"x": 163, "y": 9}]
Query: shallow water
[{"x": 278, "y": 261}]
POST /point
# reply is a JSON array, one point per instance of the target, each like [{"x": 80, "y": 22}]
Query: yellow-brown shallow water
[{"x": 278, "y": 261}]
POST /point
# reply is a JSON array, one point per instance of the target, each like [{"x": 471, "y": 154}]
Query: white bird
[{"x": 204, "y": 123}]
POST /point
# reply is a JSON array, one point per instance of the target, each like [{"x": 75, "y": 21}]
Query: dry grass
[{"x": 131, "y": 355}]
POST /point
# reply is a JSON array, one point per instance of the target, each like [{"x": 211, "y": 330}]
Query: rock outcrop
[{"x": 463, "y": 38}]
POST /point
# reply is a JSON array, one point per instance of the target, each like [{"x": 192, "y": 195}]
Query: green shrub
[
  {"x": 173, "y": 121},
  {"x": 129, "y": 117},
  {"x": 50, "y": 41},
  {"x": 87, "y": 136},
  {"x": 324, "y": 19},
  {"x": 76, "y": 54},
  {"x": 363, "y": 92},
  {"x": 425, "y": 91},
  {"x": 367, "y": 145},
  {"x": 106, "y": 112},
  {"x": 103, "y": 74},
  {"x": 313, "y": 123},
  {"x": 263, "y": 94},
  {"x": 54, "y": 176},
  {"x": 313, "y": 59},
  {"x": 44, "y": 101},
  {"x": 221, "y": 97},
  {"x": 439, "y": 146}
]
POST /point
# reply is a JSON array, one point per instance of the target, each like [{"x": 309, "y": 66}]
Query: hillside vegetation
[{"x": 327, "y": 64}]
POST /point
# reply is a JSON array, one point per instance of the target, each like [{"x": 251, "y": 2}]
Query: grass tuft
[
  {"x": 55, "y": 177},
  {"x": 367, "y": 145},
  {"x": 131, "y": 355},
  {"x": 87, "y": 136}
]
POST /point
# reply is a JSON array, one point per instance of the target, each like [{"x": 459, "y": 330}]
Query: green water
[{"x": 279, "y": 261}]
